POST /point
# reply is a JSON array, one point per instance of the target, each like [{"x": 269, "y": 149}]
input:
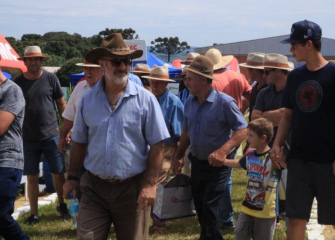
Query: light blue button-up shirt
[
  {"x": 211, "y": 124},
  {"x": 135, "y": 79},
  {"x": 173, "y": 112},
  {"x": 118, "y": 141}
]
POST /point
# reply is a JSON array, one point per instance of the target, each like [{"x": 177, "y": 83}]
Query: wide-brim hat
[
  {"x": 159, "y": 73},
  {"x": 33, "y": 51},
  {"x": 216, "y": 57},
  {"x": 112, "y": 46},
  {"x": 254, "y": 60},
  {"x": 203, "y": 66},
  {"x": 275, "y": 60},
  {"x": 189, "y": 58},
  {"x": 227, "y": 59},
  {"x": 291, "y": 66},
  {"x": 141, "y": 68},
  {"x": 87, "y": 64}
]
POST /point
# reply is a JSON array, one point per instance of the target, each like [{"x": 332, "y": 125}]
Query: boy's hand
[{"x": 217, "y": 158}]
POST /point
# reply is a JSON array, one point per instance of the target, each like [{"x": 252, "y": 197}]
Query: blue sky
[{"x": 200, "y": 23}]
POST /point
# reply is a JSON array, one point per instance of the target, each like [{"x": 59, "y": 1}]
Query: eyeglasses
[
  {"x": 117, "y": 62},
  {"x": 267, "y": 72}
]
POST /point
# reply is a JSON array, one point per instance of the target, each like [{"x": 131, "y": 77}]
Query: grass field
[{"x": 51, "y": 227}]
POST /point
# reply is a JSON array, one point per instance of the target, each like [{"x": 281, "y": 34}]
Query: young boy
[{"x": 257, "y": 219}]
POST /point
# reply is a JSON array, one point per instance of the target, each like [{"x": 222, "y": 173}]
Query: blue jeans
[
  {"x": 226, "y": 215},
  {"x": 10, "y": 179}
]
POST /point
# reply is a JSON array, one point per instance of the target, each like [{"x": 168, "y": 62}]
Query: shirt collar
[
  {"x": 211, "y": 97},
  {"x": 164, "y": 96}
]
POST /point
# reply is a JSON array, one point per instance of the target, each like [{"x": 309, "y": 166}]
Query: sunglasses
[
  {"x": 267, "y": 72},
  {"x": 117, "y": 62}
]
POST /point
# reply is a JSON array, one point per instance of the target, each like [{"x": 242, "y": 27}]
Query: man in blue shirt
[
  {"x": 173, "y": 112},
  {"x": 118, "y": 136},
  {"x": 213, "y": 127}
]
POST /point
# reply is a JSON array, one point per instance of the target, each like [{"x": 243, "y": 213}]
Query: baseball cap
[{"x": 303, "y": 31}]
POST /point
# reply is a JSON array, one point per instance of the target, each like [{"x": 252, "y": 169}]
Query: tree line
[{"x": 66, "y": 49}]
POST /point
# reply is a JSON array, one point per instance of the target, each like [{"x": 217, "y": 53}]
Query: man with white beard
[{"x": 118, "y": 136}]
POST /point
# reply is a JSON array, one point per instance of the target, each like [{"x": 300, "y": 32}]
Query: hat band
[
  {"x": 256, "y": 64},
  {"x": 33, "y": 55},
  {"x": 272, "y": 64},
  {"x": 159, "y": 76},
  {"x": 142, "y": 69},
  {"x": 119, "y": 49}
]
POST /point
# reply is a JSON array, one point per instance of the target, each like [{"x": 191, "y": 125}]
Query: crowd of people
[{"x": 126, "y": 132}]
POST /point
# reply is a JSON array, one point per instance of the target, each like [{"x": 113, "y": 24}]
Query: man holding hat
[
  {"x": 213, "y": 127},
  {"x": 41, "y": 90},
  {"x": 118, "y": 136},
  {"x": 173, "y": 112},
  {"x": 309, "y": 102},
  {"x": 255, "y": 70},
  {"x": 92, "y": 73},
  {"x": 11, "y": 155}
]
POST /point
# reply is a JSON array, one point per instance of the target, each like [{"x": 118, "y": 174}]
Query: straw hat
[
  {"x": 291, "y": 65},
  {"x": 254, "y": 60},
  {"x": 227, "y": 59},
  {"x": 33, "y": 51},
  {"x": 189, "y": 58},
  {"x": 160, "y": 73},
  {"x": 216, "y": 57},
  {"x": 203, "y": 66},
  {"x": 87, "y": 64},
  {"x": 275, "y": 60},
  {"x": 141, "y": 68},
  {"x": 112, "y": 46}
]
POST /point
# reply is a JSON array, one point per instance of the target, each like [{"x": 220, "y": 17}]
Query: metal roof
[{"x": 266, "y": 45}]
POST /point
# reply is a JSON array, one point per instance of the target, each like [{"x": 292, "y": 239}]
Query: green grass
[{"x": 52, "y": 227}]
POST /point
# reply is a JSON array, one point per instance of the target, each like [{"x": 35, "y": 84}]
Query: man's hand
[
  {"x": 70, "y": 186},
  {"x": 217, "y": 158},
  {"x": 62, "y": 142},
  {"x": 275, "y": 155},
  {"x": 147, "y": 196},
  {"x": 177, "y": 165}
]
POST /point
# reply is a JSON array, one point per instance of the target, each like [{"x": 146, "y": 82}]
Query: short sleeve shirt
[
  {"x": 40, "y": 122},
  {"x": 211, "y": 124},
  {"x": 118, "y": 141}
]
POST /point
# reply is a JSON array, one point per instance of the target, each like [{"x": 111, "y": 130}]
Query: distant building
[{"x": 266, "y": 45}]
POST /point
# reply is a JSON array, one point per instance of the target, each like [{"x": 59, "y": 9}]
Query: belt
[
  {"x": 198, "y": 161},
  {"x": 115, "y": 181}
]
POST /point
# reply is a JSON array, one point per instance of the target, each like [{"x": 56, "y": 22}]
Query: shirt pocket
[
  {"x": 129, "y": 129},
  {"x": 212, "y": 127}
]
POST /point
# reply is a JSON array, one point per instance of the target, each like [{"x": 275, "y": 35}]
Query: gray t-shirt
[
  {"x": 40, "y": 122},
  {"x": 11, "y": 147}
]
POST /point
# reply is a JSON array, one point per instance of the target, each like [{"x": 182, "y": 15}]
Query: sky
[{"x": 199, "y": 23}]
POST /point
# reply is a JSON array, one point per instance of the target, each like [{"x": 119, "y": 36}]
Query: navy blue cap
[{"x": 303, "y": 31}]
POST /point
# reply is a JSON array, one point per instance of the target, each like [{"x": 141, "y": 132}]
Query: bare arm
[
  {"x": 178, "y": 160},
  {"x": 64, "y": 138},
  {"x": 232, "y": 163},
  {"x": 61, "y": 105},
  {"x": 282, "y": 133},
  {"x": 6, "y": 119},
  {"x": 256, "y": 114},
  {"x": 218, "y": 157},
  {"x": 274, "y": 116},
  {"x": 155, "y": 159},
  {"x": 245, "y": 105},
  {"x": 77, "y": 156}
]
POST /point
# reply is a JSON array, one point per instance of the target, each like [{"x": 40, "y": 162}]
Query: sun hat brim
[
  {"x": 202, "y": 74},
  {"x": 94, "y": 55},
  {"x": 159, "y": 79},
  {"x": 251, "y": 66},
  {"x": 87, "y": 65}
]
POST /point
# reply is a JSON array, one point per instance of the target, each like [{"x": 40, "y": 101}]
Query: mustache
[{"x": 120, "y": 71}]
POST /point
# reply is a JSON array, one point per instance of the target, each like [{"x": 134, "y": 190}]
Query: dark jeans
[
  {"x": 10, "y": 179},
  {"x": 208, "y": 185}
]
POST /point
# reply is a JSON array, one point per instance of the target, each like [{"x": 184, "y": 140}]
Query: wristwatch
[{"x": 74, "y": 178}]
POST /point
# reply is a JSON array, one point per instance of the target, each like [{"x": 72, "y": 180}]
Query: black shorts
[{"x": 306, "y": 180}]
